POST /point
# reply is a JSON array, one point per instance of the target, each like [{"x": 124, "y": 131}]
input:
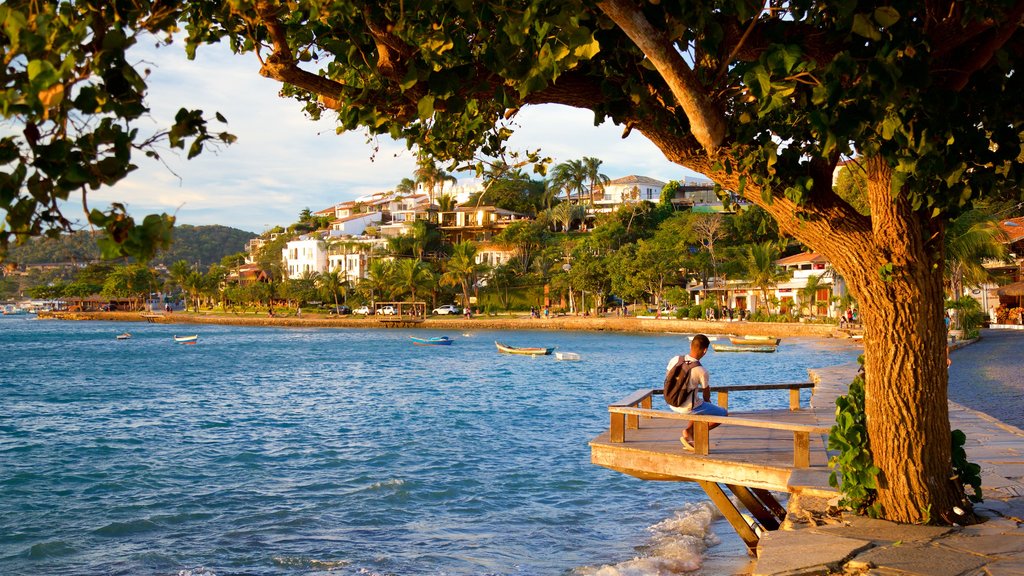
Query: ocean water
[{"x": 264, "y": 451}]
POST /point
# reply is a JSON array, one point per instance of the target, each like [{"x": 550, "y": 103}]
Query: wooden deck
[
  {"x": 750, "y": 453},
  {"x": 748, "y": 456}
]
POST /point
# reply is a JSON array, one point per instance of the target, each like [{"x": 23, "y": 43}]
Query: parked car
[
  {"x": 339, "y": 310},
  {"x": 386, "y": 311},
  {"x": 447, "y": 309},
  {"x": 364, "y": 310}
]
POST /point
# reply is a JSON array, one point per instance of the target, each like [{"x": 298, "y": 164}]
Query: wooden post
[
  {"x": 770, "y": 502},
  {"x": 794, "y": 398},
  {"x": 726, "y": 507},
  {"x": 758, "y": 510},
  {"x": 632, "y": 422},
  {"x": 700, "y": 437},
  {"x": 801, "y": 449},
  {"x": 723, "y": 399},
  {"x": 617, "y": 432}
]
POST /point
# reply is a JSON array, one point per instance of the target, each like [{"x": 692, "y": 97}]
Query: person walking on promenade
[{"x": 686, "y": 387}]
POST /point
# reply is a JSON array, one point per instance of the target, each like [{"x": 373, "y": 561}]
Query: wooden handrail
[
  {"x": 793, "y": 387},
  {"x": 735, "y": 421}
]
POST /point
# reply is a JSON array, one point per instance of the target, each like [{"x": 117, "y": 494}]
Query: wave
[
  {"x": 309, "y": 563},
  {"x": 676, "y": 546}
]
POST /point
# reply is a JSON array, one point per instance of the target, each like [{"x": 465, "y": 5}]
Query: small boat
[
  {"x": 187, "y": 339},
  {"x": 566, "y": 356},
  {"x": 755, "y": 340},
  {"x": 744, "y": 347},
  {"x": 523, "y": 351},
  {"x": 12, "y": 310},
  {"x": 124, "y": 336},
  {"x": 435, "y": 341}
]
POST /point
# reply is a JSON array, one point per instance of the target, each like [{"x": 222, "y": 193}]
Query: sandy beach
[{"x": 501, "y": 322}]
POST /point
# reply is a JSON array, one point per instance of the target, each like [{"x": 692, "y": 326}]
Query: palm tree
[
  {"x": 570, "y": 177},
  {"x": 565, "y": 214},
  {"x": 406, "y": 187},
  {"x": 428, "y": 174},
  {"x": 809, "y": 293},
  {"x": 461, "y": 268},
  {"x": 424, "y": 236},
  {"x": 592, "y": 170},
  {"x": 411, "y": 274},
  {"x": 378, "y": 279},
  {"x": 331, "y": 283},
  {"x": 446, "y": 202},
  {"x": 970, "y": 240},
  {"x": 761, "y": 268}
]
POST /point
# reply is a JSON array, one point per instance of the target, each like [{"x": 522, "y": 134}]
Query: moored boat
[
  {"x": 187, "y": 339},
  {"x": 434, "y": 341},
  {"x": 505, "y": 348},
  {"x": 744, "y": 347},
  {"x": 567, "y": 356},
  {"x": 755, "y": 340},
  {"x": 124, "y": 336}
]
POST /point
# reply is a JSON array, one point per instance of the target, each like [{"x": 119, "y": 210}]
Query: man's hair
[{"x": 699, "y": 342}]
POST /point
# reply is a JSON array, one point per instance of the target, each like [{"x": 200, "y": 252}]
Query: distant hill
[{"x": 203, "y": 244}]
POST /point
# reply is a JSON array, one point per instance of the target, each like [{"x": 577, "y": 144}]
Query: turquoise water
[{"x": 291, "y": 451}]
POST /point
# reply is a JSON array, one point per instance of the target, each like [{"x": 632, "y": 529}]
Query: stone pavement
[{"x": 858, "y": 545}]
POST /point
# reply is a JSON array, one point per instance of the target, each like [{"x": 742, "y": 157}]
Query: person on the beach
[{"x": 686, "y": 387}]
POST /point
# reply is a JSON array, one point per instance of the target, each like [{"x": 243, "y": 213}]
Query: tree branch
[
  {"x": 982, "y": 55},
  {"x": 706, "y": 120},
  {"x": 281, "y": 64}
]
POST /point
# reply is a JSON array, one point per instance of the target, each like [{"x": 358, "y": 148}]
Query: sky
[{"x": 284, "y": 162}]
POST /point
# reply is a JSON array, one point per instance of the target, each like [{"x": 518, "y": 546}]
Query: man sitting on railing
[{"x": 686, "y": 387}]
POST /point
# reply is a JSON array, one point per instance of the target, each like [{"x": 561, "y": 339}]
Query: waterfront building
[
  {"x": 476, "y": 223},
  {"x": 305, "y": 254}
]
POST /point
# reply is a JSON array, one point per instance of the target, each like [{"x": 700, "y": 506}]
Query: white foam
[
  {"x": 676, "y": 546},
  {"x": 200, "y": 571}
]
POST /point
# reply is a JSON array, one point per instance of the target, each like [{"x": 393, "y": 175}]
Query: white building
[
  {"x": 355, "y": 224},
  {"x": 625, "y": 190},
  {"x": 303, "y": 255},
  {"x": 739, "y": 294},
  {"x": 353, "y": 256}
]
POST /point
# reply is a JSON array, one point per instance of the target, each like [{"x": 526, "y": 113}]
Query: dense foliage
[{"x": 202, "y": 244}]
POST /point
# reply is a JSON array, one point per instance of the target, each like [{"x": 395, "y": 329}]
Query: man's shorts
[{"x": 709, "y": 409}]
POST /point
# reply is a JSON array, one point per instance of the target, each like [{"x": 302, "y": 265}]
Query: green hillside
[{"x": 203, "y": 244}]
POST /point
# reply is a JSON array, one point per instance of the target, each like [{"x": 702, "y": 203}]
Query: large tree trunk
[{"x": 906, "y": 401}]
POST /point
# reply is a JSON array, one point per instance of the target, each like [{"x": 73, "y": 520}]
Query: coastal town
[{"x": 577, "y": 243}]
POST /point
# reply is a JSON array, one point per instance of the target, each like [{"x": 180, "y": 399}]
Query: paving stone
[
  {"x": 802, "y": 553},
  {"x": 882, "y": 531},
  {"x": 1005, "y": 568},
  {"x": 1015, "y": 470},
  {"x": 993, "y": 527},
  {"x": 991, "y": 545},
  {"x": 922, "y": 560}
]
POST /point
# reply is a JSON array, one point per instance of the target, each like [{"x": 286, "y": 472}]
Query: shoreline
[{"x": 573, "y": 323}]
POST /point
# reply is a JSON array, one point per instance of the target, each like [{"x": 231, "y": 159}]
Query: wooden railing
[{"x": 626, "y": 414}]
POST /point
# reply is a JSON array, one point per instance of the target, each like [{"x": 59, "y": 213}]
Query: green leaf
[
  {"x": 426, "y": 107},
  {"x": 588, "y": 50},
  {"x": 863, "y": 26},
  {"x": 886, "y": 16}
]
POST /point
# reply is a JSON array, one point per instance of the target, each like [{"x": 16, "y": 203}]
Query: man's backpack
[{"x": 677, "y": 389}]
